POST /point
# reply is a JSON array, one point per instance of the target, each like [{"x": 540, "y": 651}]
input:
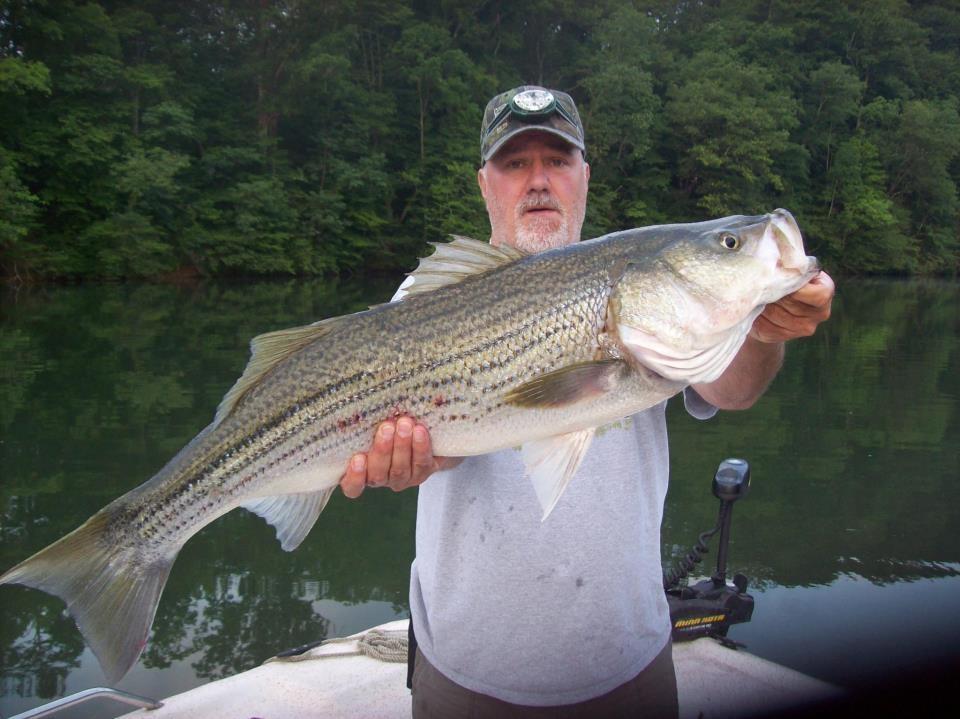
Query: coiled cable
[{"x": 683, "y": 566}]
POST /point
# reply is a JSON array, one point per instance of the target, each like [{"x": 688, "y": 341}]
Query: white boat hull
[{"x": 333, "y": 680}]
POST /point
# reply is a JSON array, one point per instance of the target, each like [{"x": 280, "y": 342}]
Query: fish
[{"x": 490, "y": 348}]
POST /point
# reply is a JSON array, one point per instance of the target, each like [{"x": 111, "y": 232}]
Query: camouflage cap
[{"x": 525, "y": 108}]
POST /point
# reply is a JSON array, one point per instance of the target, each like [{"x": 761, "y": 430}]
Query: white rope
[{"x": 385, "y": 646}]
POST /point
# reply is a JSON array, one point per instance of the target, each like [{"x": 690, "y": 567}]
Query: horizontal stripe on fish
[{"x": 491, "y": 349}]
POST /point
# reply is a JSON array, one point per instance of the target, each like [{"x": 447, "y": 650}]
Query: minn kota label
[{"x": 698, "y": 621}]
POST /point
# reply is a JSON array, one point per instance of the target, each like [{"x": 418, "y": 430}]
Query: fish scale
[
  {"x": 535, "y": 344},
  {"x": 491, "y": 349}
]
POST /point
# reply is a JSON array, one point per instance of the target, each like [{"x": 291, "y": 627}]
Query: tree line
[{"x": 139, "y": 139}]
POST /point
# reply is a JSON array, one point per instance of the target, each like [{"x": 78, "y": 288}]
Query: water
[{"x": 849, "y": 534}]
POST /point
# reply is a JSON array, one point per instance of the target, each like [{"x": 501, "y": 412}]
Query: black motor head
[{"x": 732, "y": 480}]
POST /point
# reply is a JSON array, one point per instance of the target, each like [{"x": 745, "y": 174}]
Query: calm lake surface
[{"x": 850, "y": 534}]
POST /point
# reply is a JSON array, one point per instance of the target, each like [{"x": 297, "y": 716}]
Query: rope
[{"x": 385, "y": 646}]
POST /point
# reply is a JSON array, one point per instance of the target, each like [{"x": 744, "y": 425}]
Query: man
[{"x": 515, "y": 617}]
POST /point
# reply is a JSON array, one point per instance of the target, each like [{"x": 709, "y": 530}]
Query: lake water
[{"x": 850, "y": 534}]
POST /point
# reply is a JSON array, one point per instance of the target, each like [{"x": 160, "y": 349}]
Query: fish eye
[{"x": 730, "y": 241}]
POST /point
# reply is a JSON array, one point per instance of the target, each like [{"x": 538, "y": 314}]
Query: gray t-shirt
[{"x": 554, "y": 612}]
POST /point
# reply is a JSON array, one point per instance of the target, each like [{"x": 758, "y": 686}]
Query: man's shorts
[{"x": 652, "y": 693}]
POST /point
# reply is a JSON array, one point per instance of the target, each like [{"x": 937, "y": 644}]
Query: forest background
[{"x": 168, "y": 137}]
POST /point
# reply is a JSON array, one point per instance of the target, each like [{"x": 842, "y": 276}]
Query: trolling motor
[{"x": 711, "y": 606}]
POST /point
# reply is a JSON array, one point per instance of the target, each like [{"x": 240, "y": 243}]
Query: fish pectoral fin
[
  {"x": 454, "y": 261},
  {"x": 568, "y": 385},
  {"x": 292, "y": 515},
  {"x": 552, "y": 462},
  {"x": 110, "y": 590}
]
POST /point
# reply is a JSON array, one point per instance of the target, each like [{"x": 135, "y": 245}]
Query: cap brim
[{"x": 567, "y": 137}]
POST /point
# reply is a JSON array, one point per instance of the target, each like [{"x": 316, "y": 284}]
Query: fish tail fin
[{"x": 111, "y": 593}]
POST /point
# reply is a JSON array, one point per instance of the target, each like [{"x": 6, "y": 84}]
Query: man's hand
[
  {"x": 400, "y": 457},
  {"x": 797, "y": 314}
]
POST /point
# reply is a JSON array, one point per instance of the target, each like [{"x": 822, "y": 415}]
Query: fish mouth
[{"x": 782, "y": 230}]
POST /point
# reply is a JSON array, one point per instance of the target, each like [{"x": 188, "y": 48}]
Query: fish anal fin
[
  {"x": 568, "y": 385},
  {"x": 266, "y": 351},
  {"x": 552, "y": 462},
  {"x": 454, "y": 261},
  {"x": 110, "y": 593},
  {"x": 292, "y": 515}
]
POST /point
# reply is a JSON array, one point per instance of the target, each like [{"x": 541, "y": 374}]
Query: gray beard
[{"x": 536, "y": 237}]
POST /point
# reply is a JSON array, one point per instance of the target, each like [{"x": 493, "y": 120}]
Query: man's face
[{"x": 535, "y": 188}]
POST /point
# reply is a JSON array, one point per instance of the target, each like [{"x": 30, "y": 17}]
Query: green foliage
[
  {"x": 299, "y": 138},
  {"x": 620, "y": 113},
  {"x": 250, "y": 227},
  {"x": 859, "y": 208},
  {"x": 19, "y": 76},
  {"x": 128, "y": 244},
  {"x": 928, "y": 143},
  {"x": 20, "y": 208},
  {"x": 731, "y": 121}
]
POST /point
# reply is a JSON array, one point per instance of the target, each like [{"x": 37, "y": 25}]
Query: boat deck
[{"x": 334, "y": 681}]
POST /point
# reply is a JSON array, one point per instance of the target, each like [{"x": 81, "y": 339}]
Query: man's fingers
[
  {"x": 423, "y": 460},
  {"x": 380, "y": 455},
  {"x": 401, "y": 456},
  {"x": 770, "y": 332},
  {"x": 797, "y": 314},
  {"x": 790, "y": 320},
  {"x": 812, "y": 304},
  {"x": 813, "y": 298},
  {"x": 399, "y": 474},
  {"x": 355, "y": 478}
]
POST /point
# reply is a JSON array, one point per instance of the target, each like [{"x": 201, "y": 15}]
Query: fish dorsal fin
[
  {"x": 552, "y": 462},
  {"x": 292, "y": 515},
  {"x": 266, "y": 351},
  {"x": 454, "y": 261}
]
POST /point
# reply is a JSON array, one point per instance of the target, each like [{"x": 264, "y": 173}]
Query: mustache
[{"x": 538, "y": 202}]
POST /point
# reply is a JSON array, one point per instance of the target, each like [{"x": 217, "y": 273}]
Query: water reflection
[
  {"x": 855, "y": 454},
  {"x": 859, "y": 633},
  {"x": 856, "y": 448},
  {"x": 39, "y": 646},
  {"x": 101, "y": 386}
]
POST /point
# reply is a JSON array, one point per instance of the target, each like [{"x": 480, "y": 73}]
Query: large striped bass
[{"x": 490, "y": 349}]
